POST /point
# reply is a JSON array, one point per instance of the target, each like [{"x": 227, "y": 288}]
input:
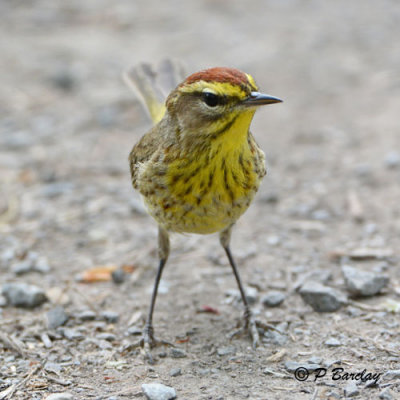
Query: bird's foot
[
  {"x": 250, "y": 327},
  {"x": 148, "y": 342}
]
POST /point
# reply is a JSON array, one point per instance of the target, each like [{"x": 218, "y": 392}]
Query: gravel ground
[{"x": 318, "y": 249}]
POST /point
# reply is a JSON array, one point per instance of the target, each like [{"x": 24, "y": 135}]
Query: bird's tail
[{"x": 152, "y": 85}]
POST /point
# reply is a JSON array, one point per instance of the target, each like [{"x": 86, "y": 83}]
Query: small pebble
[
  {"x": 110, "y": 316},
  {"x": 106, "y": 336},
  {"x": 134, "y": 330},
  {"x": 3, "y": 301},
  {"x": 351, "y": 389},
  {"x": 392, "y": 159},
  {"x": 22, "y": 267},
  {"x": 87, "y": 315},
  {"x": 56, "y": 317},
  {"x": 118, "y": 276},
  {"x": 322, "y": 298},
  {"x": 53, "y": 367},
  {"x": 72, "y": 334},
  {"x": 158, "y": 391},
  {"x": 315, "y": 360},
  {"x": 331, "y": 395},
  {"x": 23, "y": 295},
  {"x": 177, "y": 353},
  {"x": 332, "y": 342},
  {"x": 363, "y": 283},
  {"x": 291, "y": 366},
  {"x": 60, "y": 396},
  {"x": 63, "y": 78},
  {"x": 386, "y": 394},
  {"x": 42, "y": 265},
  {"x": 274, "y": 337},
  {"x": 225, "y": 351},
  {"x": 322, "y": 276},
  {"x": 175, "y": 372},
  {"x": 251, "y": 294},
  {"x": 273, "y": 299},
  {"x": 203, "y": 371},
  {"x": 392, "y": 374},
  {"x": 273, "y": 240}
]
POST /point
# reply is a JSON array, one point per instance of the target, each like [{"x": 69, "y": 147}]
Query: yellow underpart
[{"x": 210, "y": 208}]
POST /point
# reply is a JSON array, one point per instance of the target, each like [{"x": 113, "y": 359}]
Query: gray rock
[
  {"x": 158, "y": 391},
  {"x": 322, "y": 298},
  {"x": 225, "y": 351},
  {"x": 204, "y": 371},
  {"x": 22, "y": 267},
  {"x": 392, "y": 374},
  {"x": 386, "y": 394},
  {"x": 3, "y": 301},
  {"x": 291, "y": 366},
  {"x": 251, "y": 294},
  {"x": 315, "y": 360},
  {"x": 134, "y": 330},
  {"x": 175, "y": 372},
  {"x": 23, "y": 295},
  {"x": 118, "y": 276},
  {"x": 42, "y": 265},
  {"x": 274, "y": 338},
  {"x": 331, "y": 361},
  {"x": 63, "y": 78},
  {"x": 110, "y": 337},
  {"x": 56, "y": 189},
  {"x": 177, "y": 353},
  {"x": 318, "y": 275},
  {"x": 392, "y": 159},
  {"x": 332, "y": 342},
  {"x": 60, "y": 396},
  {"x": 56, "y": 317},
  {"x": 332, "y": 395},
  {"x": 351, "y": 389},
  {"x": 53, "y": 367},
  {"x": 273, "y": 298},
  {"x": 363, "y": 283},
  {"x": 71, "y": 334},
  {"x": 110, "y": 316},
  {"x": 87, "y": 315}
]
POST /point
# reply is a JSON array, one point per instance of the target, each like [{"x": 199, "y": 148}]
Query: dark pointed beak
[{"x": 258, "y": 99}]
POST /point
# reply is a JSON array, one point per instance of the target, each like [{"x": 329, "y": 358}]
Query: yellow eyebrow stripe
[
  {"x": 219, "y": 88},
  {"x": 252, "y": 82}
]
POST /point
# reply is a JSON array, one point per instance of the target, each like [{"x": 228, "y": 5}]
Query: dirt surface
[{"x": 67, "y": 125}]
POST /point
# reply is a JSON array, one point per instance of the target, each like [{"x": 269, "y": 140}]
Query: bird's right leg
[{"x": 148, "y": 341}]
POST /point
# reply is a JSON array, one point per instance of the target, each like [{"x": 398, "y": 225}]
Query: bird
[{"x": 199, "y": 167}]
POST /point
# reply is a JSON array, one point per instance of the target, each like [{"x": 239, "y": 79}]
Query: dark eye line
[{"x": 222, "y": 99}]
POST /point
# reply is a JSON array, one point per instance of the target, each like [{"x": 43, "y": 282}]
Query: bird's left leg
[{"x": 250, "y": 323}]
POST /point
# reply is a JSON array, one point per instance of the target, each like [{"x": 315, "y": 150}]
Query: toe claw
[{"x": 148, "y": 342}]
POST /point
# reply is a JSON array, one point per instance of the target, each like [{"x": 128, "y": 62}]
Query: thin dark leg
[
  {"x": 239, "y": 282},
  {"x": 250, "y": 324},
  {"x": 149, "y": 322}
]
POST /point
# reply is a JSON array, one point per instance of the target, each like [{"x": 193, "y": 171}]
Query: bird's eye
[{"x": 210, "y": 99}]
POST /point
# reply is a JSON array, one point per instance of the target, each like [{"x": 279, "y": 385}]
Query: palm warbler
[{"x": 199, "y": 167}]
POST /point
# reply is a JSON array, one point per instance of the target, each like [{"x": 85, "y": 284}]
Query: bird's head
[{"x": 209, "y": 102}]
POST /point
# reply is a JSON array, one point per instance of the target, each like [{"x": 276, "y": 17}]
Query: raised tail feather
[{"x": 152, "y": 85}]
